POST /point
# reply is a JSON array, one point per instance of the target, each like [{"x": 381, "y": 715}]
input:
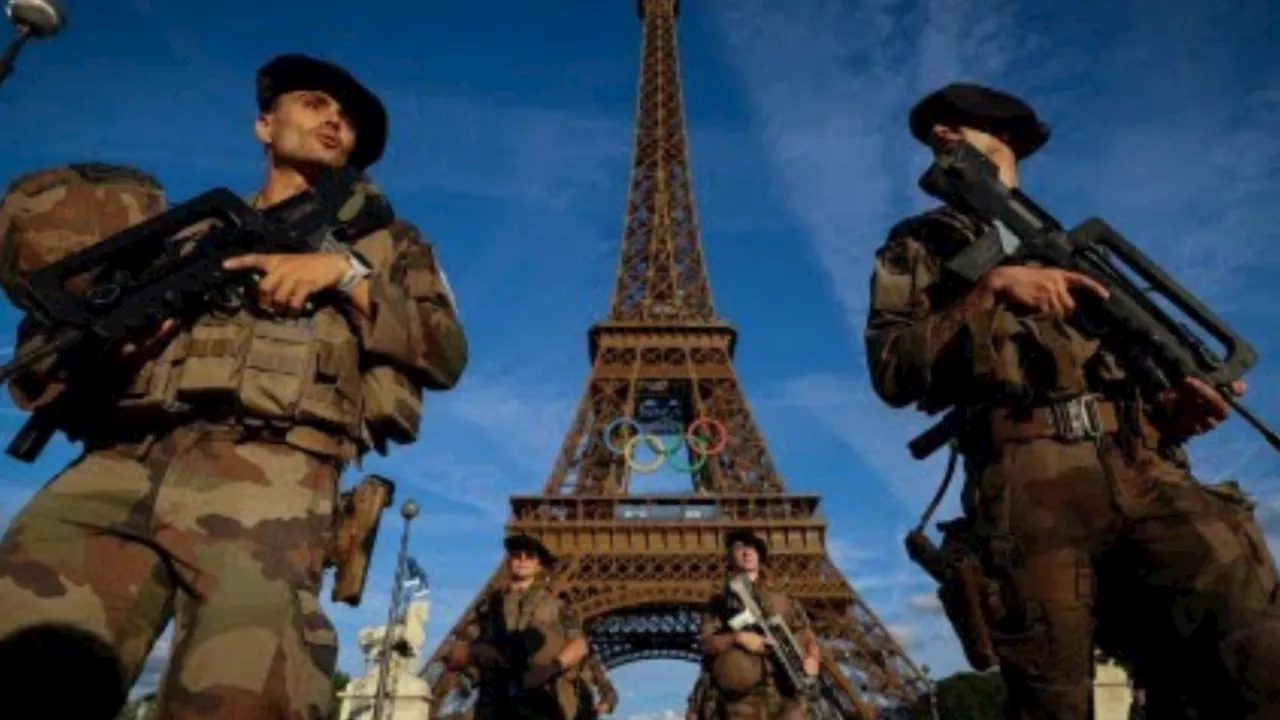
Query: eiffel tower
[{"x": 638, "y": 568}]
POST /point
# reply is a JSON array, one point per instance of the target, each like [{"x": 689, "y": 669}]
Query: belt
[{"x": 1079, "y": 419}]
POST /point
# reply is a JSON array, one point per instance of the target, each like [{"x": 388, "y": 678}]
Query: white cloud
[
  {"x": 847, "y": 556},
  {"x": 907, "y": 636},
  {"x": 526, "y": 416},
  {"x": 831, "y": 108},
  {"x": 663, "y": 715},
  {"x": 876, "y": 434},
  {"x": 926, "y": 602}
]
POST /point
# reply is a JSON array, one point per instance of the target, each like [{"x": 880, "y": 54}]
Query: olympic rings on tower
[{"x": 693, "y": 436}]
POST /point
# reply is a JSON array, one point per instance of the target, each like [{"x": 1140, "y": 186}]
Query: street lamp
[
  {"x": 33, "y": 19},
  {"x": 405, "y": 568}
]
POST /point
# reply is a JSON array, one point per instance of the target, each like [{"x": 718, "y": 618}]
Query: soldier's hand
[
  {"x": 812, "y": 666},
  {"x": 1194, "y": 408},
  {"x": 288, "y": 281},
  {"x": 1042, "y": 290},
  {"x": 754, "y": 643},
  {"x": 145, "y": 348}
]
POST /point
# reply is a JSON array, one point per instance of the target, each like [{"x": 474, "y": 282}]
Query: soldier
[
  {"x": 605, "y": 699},
  {"x": 742, "y": 674},
  {"x": 207, "y": 484},
  {"x": 526, "y": 644},
  {"x": 1047, "y": 499}
]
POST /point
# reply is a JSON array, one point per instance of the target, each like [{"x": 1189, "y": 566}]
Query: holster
[
  {"x": 971, "y": 600},
  {"x": 356, "y": 520}
]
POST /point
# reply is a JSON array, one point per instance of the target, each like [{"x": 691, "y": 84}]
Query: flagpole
[{"x": 409, "y": 510}]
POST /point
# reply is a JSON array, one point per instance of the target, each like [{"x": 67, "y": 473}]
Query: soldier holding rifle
[
  {"x": 207, "y": 488},
  {"x": 743, "y": 673},
  {"x": 524, "y": 646},
  {"x": 1077, "y": 478}
]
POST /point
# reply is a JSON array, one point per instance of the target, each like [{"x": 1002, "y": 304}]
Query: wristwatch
[{"x": 359, "y": 269}]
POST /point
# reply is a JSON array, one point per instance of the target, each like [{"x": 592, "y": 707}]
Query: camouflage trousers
[
  {"x": 1069, "y": 529},
  {"x": 224, "y": 536},
  {"x": 767, "y": 704}
]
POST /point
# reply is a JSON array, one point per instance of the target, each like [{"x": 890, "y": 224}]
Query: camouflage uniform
[
  {"x": 207, "y": 486},
  {"x": 741, "y": 685},
  {"x": 529, "y": 627},
  {"x": 595, "y": 676},
  {"x": 1061, "y": 521},
  {"x": 766, "y": 700}
]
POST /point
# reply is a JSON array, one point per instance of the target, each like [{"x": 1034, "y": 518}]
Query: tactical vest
[
  {"x": 535, "y": 637},
  {"x": 1016, "y": 356},
  {"x": 302, "y": 377},
  {"x": 737, "y": 673}
]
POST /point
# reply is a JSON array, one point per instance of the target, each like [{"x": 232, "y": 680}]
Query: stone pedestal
[
  {"x": 1112, "y": 691},
  {"x": 409, "y": 696}
]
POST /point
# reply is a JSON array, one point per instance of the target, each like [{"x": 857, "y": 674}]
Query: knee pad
[{"x": 30, "y": 658}]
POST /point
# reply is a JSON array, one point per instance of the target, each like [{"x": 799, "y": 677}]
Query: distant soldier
[
  {"x": 743, "y": 676},
  {"x": 213, "y": 451},
  {"x": 525, "y": 643}
]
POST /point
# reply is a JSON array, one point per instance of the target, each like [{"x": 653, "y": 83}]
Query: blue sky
[{"x": 510, "y": 146}]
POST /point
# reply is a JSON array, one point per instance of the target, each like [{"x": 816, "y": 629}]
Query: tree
[
  {"x": 339, "y": 682},
  {"x": 966, "y": 696}
]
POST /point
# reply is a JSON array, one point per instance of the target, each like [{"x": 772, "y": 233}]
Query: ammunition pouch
[
  {"x": 971, "y": 600},
  {"x": 392, "y": 408},
  {"x": 356, "y": 522}
]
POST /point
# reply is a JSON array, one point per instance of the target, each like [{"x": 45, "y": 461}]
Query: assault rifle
[
  {"x": 785, "y": 650},
  {"x": 1158, "y": 350},
  {"x": 170, "y": 266}
]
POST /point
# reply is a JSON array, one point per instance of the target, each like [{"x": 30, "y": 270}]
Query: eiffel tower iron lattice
[{"x": 638, "y": 568}]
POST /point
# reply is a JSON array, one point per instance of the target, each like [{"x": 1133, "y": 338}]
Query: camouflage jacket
[
  {"x": 926, "y": 347},
  {"x": 527, "y": 628},
  {"x": 723, "y": 606}
]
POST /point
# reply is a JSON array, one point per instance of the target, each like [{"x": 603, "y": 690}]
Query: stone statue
[{"x": 409, "y": 696}]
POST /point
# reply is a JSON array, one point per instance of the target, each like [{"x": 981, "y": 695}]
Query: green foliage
[
  {"x": 339, "y": 682},
  {"x": 966, "y": 696}
]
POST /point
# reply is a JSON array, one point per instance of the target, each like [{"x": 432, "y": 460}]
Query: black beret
[{"x": 290, "y": 73}]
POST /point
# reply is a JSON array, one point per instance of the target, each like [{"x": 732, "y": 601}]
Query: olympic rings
[{"x": 698, "y": 445}]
